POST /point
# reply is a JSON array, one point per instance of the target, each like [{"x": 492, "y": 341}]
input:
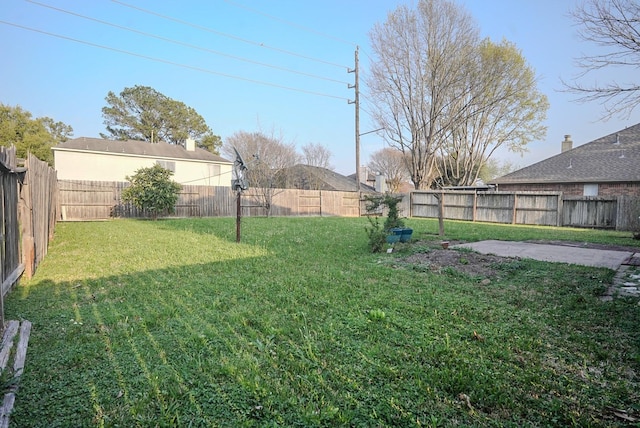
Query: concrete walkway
[
  {"x": 551, "y": 253},
  {"x": 626, "y": 264}
]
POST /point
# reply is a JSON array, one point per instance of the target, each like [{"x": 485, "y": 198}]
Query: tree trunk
[{"x": 441, "y": 214}]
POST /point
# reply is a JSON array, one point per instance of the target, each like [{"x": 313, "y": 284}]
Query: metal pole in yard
[{"x": 238, "y": 216}]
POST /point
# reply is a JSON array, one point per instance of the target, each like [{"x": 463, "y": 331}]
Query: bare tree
[
  {"x": 265, "y": 156},
  {"x": 502, "y": 107},
  {"x": 445, "y": 98},
  {"x": 315, "y": 154},
  {"x": 392, "y": 164},
  {"x": 614, "y": 26},
  {"x": 420, "y": 58}
]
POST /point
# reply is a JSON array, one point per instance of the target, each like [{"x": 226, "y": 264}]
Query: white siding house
[{"x": 98, "y": 159}]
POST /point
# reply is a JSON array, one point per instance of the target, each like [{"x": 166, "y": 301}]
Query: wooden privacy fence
[
  {"x": 38, "y": 211},
  {"x": 27, "y": 216},
  {"x": 495, "y": 207},
  {"x": 591, "y": 211},
  {"x": 532, "y": 208},
  {"x": 98, "y": 200},
  {"x": 11, "y": 267}
]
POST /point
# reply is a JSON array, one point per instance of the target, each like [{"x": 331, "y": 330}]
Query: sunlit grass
[{"x": 171, "y": 323}]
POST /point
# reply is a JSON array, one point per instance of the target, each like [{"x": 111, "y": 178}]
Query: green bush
[
  {"x": 378, "y": 234},
  {"x": 393, "y": 220},
  {"x": 152, "y": 190}
]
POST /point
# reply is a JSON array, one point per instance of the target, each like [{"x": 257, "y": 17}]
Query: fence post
[
  {"x": 26, "y": 224},
  {"x": 560, "y": 213},
  {"x": 515, "y": 205},
  {"x": 475, "y": 206}
]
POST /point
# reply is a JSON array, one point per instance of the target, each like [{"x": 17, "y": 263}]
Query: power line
[
  {"x": 177, "y": 42},
  {"x": 164, "y": 61},
  {"x": 291, "y": 24},
  {"x": 219, "y": 33}
]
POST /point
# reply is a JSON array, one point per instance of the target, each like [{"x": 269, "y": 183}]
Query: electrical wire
[
  {"x": 177, "y": 42},
  {"x": 219, "y": 33},
  {"x": 291, "y": 24},
  {"x": 164, "y": 61}
]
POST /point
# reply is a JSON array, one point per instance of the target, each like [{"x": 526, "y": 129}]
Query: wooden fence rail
[
  {"x": 11, "y": 267},
  {"x": 38, "y": 211},
  {"x": 27, "y": 215},
  {"x": 533, "y": 208},
  {"x": 96, "y": 200},
  {"x": 495, "y": 207}
]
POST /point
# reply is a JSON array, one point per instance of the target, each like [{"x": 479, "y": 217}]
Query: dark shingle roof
[
  {"x": 613, "y": 158},
  {"x": 139, "y": 148},
  {"x": 297, "y": 175}
]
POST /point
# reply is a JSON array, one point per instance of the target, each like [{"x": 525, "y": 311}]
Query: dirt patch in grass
[{"x": 467, "y": 262}]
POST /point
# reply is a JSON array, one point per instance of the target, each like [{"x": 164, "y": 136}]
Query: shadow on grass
[{"x": 298, "y": 327}]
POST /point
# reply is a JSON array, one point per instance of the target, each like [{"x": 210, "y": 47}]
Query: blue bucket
[
  {"x": 405, "y": 236},
  {"x": 395, "y": 235}
]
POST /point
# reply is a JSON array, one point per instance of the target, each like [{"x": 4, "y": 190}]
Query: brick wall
[
  {"x": 619, "y": 189},
  {"x": 575, "y": 189}
]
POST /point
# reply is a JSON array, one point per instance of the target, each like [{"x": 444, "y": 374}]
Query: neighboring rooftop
[
  {"x": 306, "y": 176},
  {"x": 612, "y": 158},
  {"x": 138, "y": 148}
]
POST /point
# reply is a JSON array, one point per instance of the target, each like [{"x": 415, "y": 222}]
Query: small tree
[
  {"x": 376, "y": 232},
  {"x": 152, "y": 190}
]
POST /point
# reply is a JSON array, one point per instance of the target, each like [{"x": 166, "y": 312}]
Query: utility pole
[{"x": 356, "y": 101}]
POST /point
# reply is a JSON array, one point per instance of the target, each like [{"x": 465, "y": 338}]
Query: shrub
[
  {"x": 375, "y": 206},
  {"x": 377, "y": 236},
  {"x": 393, "y": 220},
  {"x": 152, "y": 190}
]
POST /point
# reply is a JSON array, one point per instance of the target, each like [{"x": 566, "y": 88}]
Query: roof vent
[{"x": 617, "y": 139}]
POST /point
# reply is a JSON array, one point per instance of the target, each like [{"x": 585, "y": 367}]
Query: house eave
[
  {"x": 574, "y": 181},
  {"x": 144, "y": 156}
]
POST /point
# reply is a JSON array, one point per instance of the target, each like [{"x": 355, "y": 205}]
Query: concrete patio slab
[{"x": 551, "y": 253}]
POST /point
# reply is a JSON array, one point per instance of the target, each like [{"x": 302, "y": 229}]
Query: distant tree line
[{"x": 31, "y": 135}]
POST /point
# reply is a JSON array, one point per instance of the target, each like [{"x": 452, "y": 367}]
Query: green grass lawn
[{"x": 171, "y": 323}]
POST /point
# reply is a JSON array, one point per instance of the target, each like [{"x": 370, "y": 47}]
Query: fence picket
[
  {"x": 533, "y": 208},
  {"x": 89, "y": 200},
  {"x": 98, "y": 200}
]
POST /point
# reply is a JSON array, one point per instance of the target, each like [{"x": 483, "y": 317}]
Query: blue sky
[{"x": 215, "y": 53}]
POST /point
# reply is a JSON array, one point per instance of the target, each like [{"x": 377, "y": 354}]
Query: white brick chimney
[{"x": 190, "y": 145}]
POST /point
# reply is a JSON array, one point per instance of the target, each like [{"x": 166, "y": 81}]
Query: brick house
[{"x": 608, "y": 166}]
